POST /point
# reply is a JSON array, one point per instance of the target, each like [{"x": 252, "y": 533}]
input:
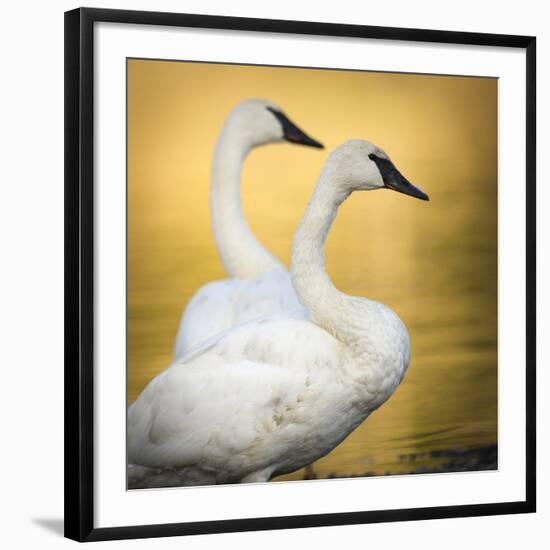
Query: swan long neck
[
  {"x": 309, "y": 277},
  {"x": 242, "y": 255}
]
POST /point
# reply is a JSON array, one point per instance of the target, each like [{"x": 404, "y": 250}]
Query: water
[{"x": 434, "y": 263}]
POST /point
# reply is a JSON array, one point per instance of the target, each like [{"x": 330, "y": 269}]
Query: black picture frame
[{"x": 79, "y": 272}]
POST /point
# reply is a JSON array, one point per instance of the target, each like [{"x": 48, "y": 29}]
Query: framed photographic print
[{"x": 300, "y": 274}]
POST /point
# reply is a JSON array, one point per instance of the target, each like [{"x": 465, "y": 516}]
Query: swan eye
[{"x": 372, "y": 156}]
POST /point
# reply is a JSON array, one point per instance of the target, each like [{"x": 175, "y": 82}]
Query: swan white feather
[
  {"x": 259, "y": 283},
  {"x": 275, "y": 394},
  {"x": 221, "y": 305}
]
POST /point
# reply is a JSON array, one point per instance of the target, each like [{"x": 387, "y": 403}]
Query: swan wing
[
  {"x": 208, "y": 417},
  {"x": 239, "y": 404},
  {"x": 210, "y": 311}
]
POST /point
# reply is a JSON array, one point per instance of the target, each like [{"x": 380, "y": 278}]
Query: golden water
[{"x": 434, "y": 263}]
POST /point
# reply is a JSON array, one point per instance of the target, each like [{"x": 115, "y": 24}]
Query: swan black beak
[
  {"x": 292, "y": 133},
  {"x": 394, "y": 179}
]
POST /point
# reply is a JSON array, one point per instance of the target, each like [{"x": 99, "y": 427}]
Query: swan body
[
  {"x": 259, "y": 283},
  {"x": 220, "y": 305},
  {"x": 270, "y": 396}
]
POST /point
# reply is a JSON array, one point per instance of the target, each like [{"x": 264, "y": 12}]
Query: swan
[
  {"x": 275, "y": 394},
  {"x": 259, "y": 284}
]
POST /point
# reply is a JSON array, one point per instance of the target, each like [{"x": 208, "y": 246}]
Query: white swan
[
  {"x": 273, "y": 395},
  {"x": 259, "y": 284}
]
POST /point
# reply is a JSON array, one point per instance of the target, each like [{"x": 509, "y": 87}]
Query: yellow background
[{"x": 434, "y": 263}]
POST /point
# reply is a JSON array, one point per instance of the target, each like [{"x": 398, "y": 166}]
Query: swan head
[
  {"x": 359, "y": 165},
  {"x": 259, "y": 122}
]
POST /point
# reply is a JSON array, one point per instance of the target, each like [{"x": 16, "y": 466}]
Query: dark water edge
[{"x": 472, "y": 459}]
